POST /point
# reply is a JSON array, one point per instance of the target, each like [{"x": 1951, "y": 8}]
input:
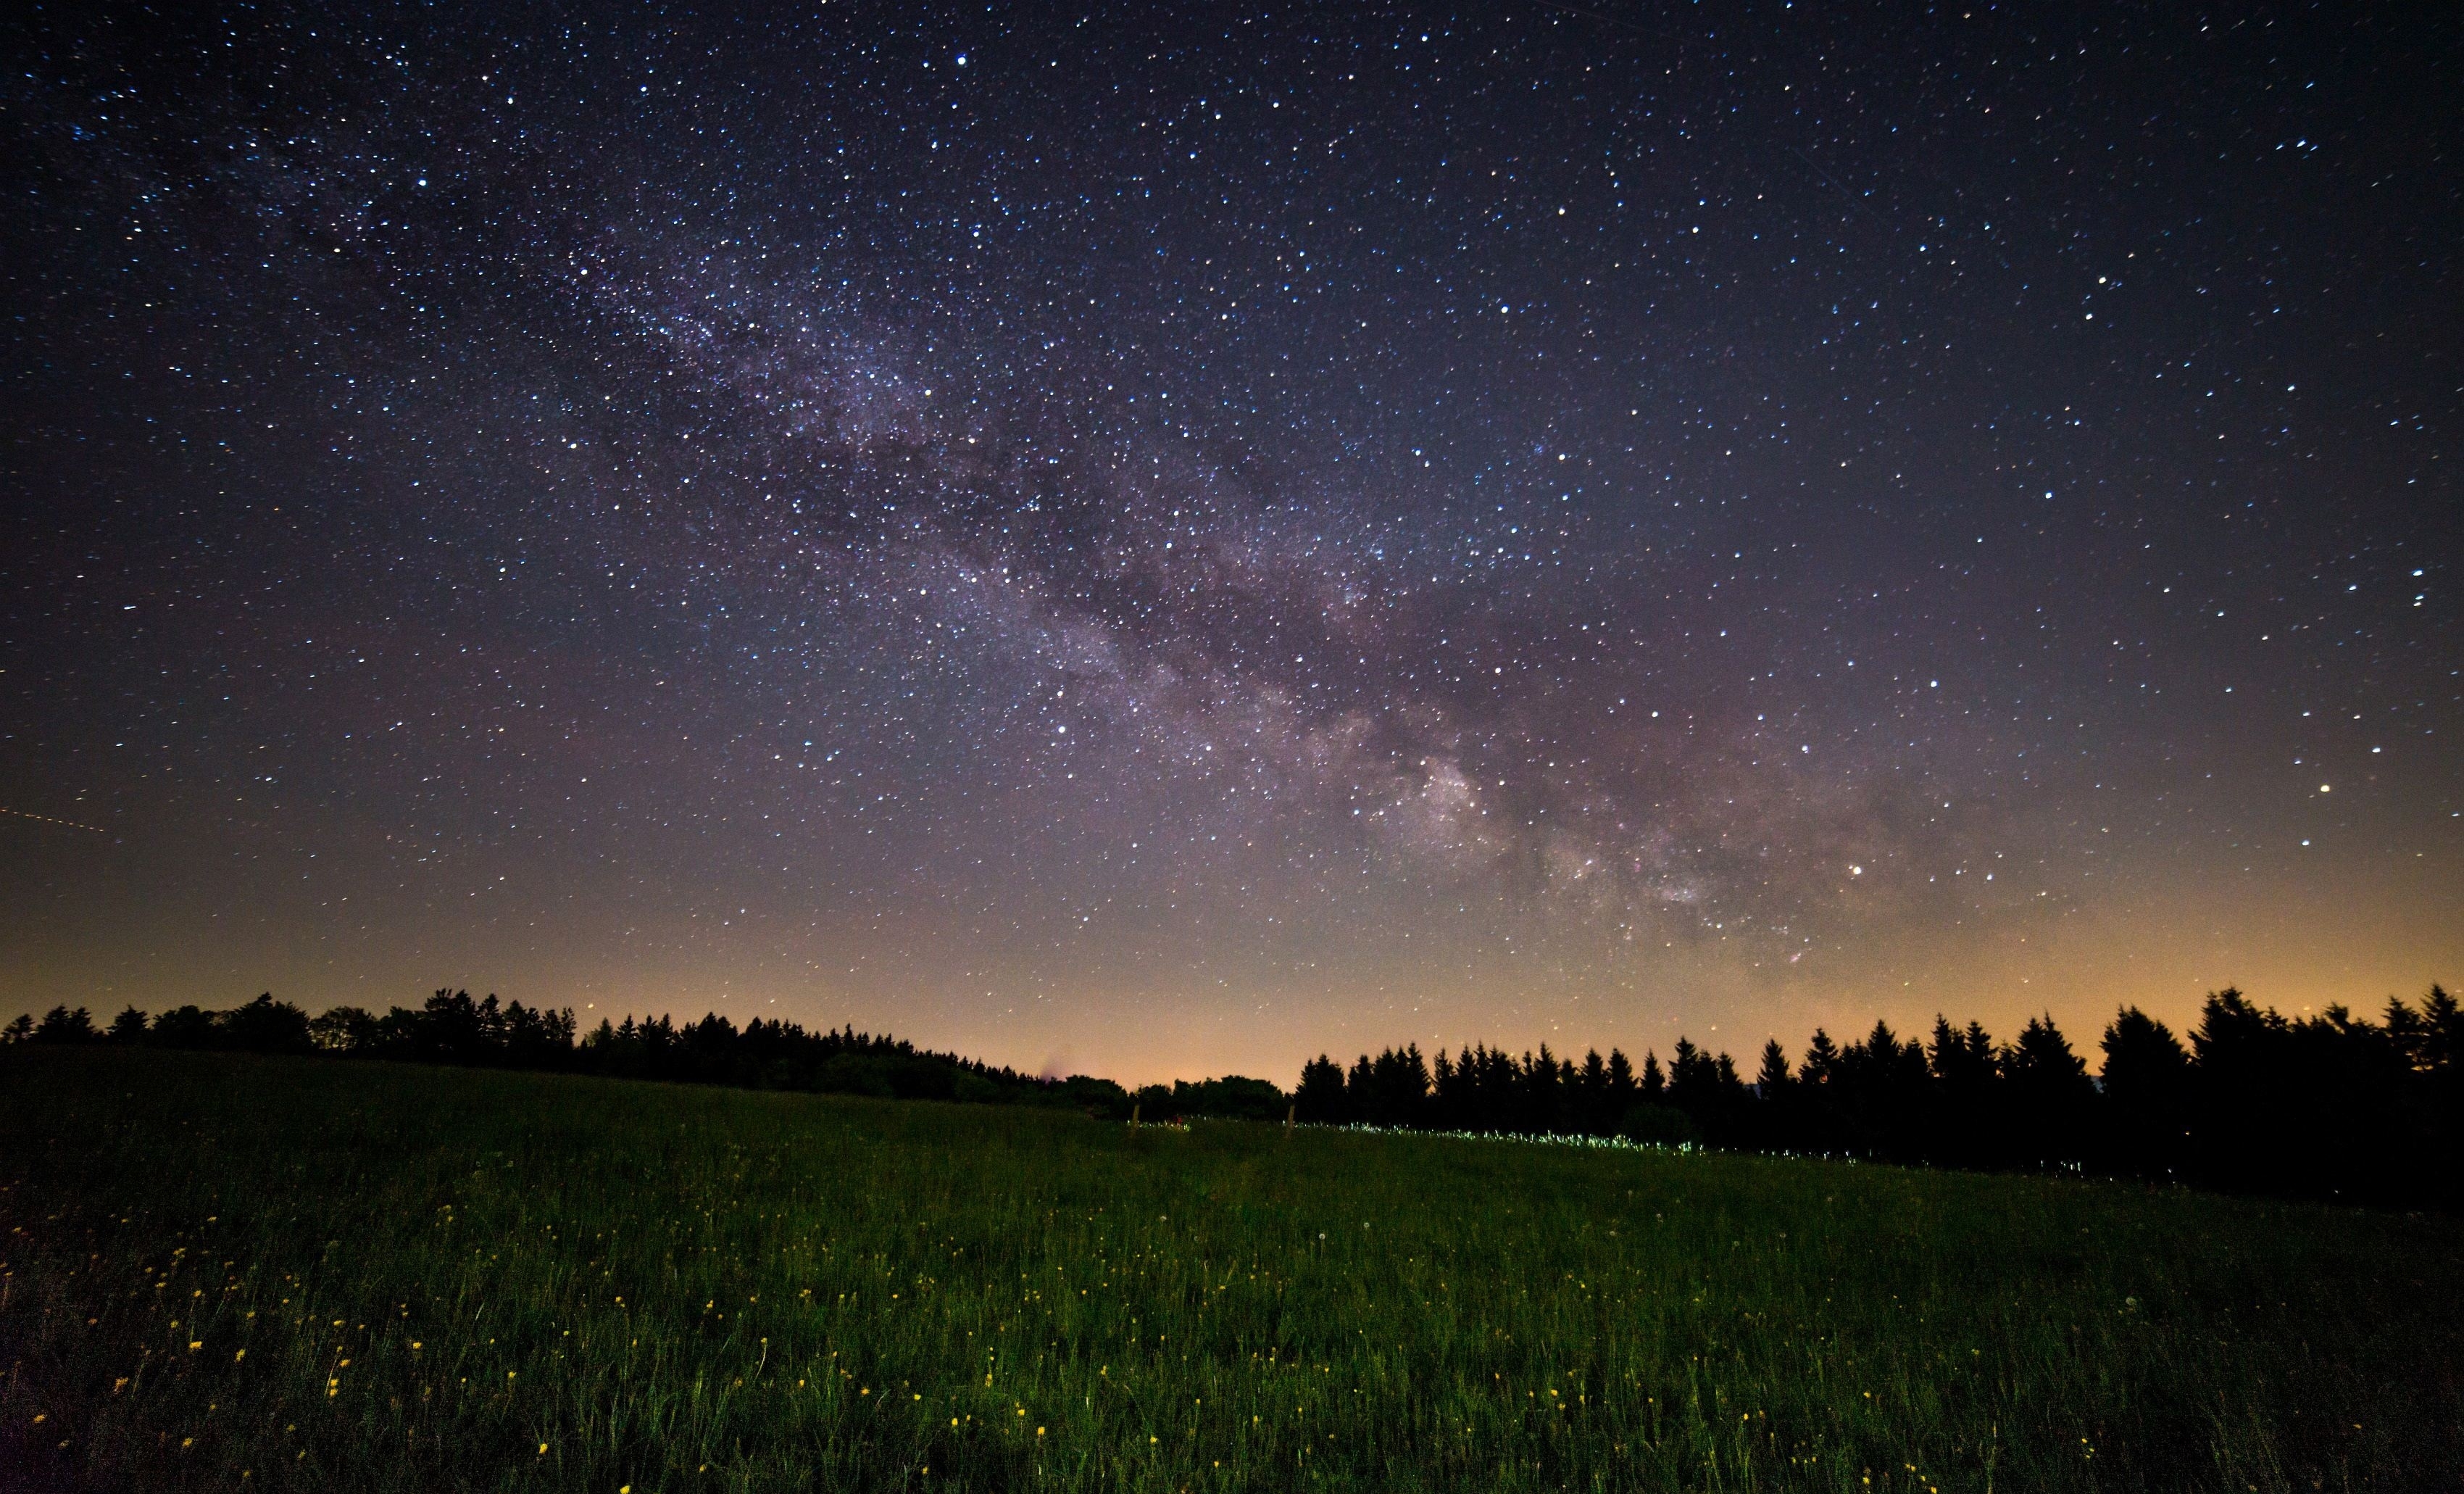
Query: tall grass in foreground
[{"x": 244, "y": 1274}]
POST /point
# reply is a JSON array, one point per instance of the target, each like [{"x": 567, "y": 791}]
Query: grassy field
[{"x": 244, "y": 1274}]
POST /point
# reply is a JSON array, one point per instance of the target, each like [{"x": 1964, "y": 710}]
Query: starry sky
[{"x": 1155, "y": 541}]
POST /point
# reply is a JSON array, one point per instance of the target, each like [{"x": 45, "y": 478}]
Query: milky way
[{"x": 1160, "y": 541}]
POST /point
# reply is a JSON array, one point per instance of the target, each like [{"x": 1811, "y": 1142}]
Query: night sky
[{"x": 1156, "y": 542}]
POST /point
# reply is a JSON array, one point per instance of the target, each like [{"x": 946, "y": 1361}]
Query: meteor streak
[{"x": 53, "y": 820}]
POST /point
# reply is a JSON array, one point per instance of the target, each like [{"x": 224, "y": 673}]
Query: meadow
[{"x": 230, "y": 1272}]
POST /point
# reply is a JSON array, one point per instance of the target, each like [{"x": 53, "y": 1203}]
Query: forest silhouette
[{"x": 2330, "y": 1106}]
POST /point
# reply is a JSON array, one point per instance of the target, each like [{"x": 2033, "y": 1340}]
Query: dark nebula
[{"x": 1163, "y": 541}]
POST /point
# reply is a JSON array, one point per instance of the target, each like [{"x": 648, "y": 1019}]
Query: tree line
[
  {"x": 2331, "y": 1106},
  {"x": 452, "y": 1027}
]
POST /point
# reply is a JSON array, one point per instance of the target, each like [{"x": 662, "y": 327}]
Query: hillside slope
[{"x": 226, "y": 1272}]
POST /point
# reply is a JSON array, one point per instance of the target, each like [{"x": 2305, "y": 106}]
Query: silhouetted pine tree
[
  {"x": 2049, "y": 1096},
  {"x": 1624, "y": 1090},
  {"x": 61, "y": 1025},
  {"x": 1966, "y": 1116},
  {"x": 1775, "y": 1114},
  {"x": 1319, "y": 1098},
  {"x": 1589, "y": 1108},
  {"x": 2146, "y": 1095}
]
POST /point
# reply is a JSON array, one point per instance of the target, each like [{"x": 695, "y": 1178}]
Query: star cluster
[{"x": 1152, "y": 539}]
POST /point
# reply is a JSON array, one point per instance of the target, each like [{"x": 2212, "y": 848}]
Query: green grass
[{"x": 234, "y": 1273}]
